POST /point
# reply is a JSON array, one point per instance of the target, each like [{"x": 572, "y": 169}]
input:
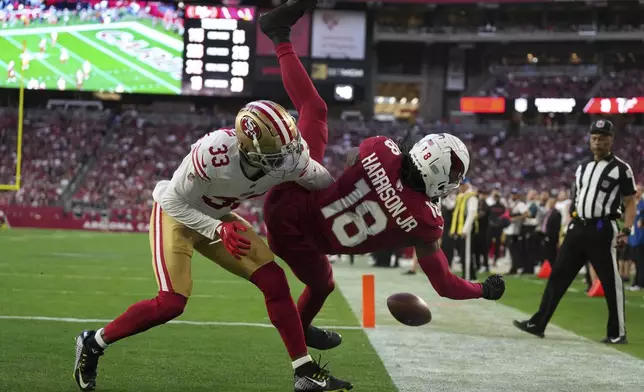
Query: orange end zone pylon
[{"x": 368, "y": 301}]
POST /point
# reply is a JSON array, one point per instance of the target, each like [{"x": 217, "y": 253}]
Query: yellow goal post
[{"x": 21, "y": 104}]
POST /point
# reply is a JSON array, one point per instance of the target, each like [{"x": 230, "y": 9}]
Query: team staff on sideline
[
  {"x": 464, "y": 226},
  {"x": 602, "y": 184}
]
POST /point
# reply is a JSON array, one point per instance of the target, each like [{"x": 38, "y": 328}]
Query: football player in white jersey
[{"x": 193, "y": 211}]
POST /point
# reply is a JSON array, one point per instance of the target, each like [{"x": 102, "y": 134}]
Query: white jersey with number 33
[{"x": 210, "y": 183}]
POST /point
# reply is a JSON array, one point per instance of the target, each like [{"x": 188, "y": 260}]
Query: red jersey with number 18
[{"x": 369, "y": 208}]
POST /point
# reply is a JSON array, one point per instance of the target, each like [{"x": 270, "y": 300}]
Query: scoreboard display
[{"x": 219, "y": 46}]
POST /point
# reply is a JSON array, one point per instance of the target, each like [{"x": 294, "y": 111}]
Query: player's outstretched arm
[{"x": 434, "y": 263}]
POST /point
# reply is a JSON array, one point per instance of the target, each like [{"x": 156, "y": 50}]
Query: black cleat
[
  {"x": 277, "y": 23},
  {"x": 527, "y": 326},
  {"x": 619, "y": 340},
  {"x": 310, "y": 377},
  {"x": 85, "y": 368},
  {"x": 322, "y": 339}
]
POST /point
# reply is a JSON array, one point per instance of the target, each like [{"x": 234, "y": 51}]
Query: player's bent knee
[
  {"x": 170, "y": 305},
  {"x": 271, "y": 280}
]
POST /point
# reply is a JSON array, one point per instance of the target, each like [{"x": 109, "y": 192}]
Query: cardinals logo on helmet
[{"x": 250, "y": 128}]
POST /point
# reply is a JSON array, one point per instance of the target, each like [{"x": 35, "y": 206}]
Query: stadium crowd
[
  {"x": 127, "y": 157},
  {"x": 57, "y": 144}
]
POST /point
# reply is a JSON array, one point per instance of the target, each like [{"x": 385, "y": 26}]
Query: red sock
[
  {"x": 144, "y": 315},
  {"x": 309, "y": 305},
  {"x": 282, "y": 312}
]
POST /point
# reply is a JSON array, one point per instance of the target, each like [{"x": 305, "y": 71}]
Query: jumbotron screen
[{"x": 121, "y": 46}]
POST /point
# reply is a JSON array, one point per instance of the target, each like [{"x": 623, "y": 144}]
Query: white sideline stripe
[
  {"x": 184, "y": 322},
  {"x": 100, "y": 277},
  {"x": 42, "y": 61},
  {"x": 126, "y": 62},
  {"x": 472, "y": 345}
]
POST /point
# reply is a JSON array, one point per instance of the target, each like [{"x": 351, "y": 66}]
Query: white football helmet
[{"x": 442, "y": 160}]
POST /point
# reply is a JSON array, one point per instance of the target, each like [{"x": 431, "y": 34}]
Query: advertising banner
[{"x": 339, "y": 34}]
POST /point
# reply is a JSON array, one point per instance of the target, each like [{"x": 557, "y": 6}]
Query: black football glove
[{"x": 493, "y": 287}]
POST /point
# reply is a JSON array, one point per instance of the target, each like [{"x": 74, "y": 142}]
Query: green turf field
[
  {"x": 578, "y": 313},
  {"x": 73, "y": 278},
  {"x": 136, "y": 56},
  {"x": 97, "y": 276}
]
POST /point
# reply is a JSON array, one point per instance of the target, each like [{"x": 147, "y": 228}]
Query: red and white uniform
[
  {"x": 210, "y": 183},
  {"x": 64, "y": 56},
  {"x": 87, "y": 67},
  {"x": 26, "y": 58},
  {"x": 11, "y": 72},
  {"x": 54, "y": 38},
  {"x": 366, "y": 210},
  {"x": 43, "y": 45},
  {"x": 80, "y": 77},
  {"x": 61, "y": 83}
]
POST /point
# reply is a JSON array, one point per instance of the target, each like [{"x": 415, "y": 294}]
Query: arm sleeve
[
  {"x": 314, "y": 176},
  {"x": 627, "y": 183},
  {"x": 445, "y": 283},
  {"x": 472, "y": 212},
  {"x": 179, "y": 198}
]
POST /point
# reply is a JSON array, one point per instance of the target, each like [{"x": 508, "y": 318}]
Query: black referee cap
[{"x": 602, "y": 127}]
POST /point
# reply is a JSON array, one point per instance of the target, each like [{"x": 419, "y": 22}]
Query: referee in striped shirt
[{"x": 601, "y": 185}]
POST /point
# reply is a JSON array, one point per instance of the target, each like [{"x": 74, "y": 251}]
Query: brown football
[{"x": 409, "y": 309}]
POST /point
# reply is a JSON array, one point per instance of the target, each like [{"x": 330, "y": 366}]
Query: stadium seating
[
  {"x": 126, "y": 161},
  {"x": 56, "y": 145}
]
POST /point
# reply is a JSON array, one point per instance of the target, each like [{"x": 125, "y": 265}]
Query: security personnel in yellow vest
[{"x": 464, "y": 226}]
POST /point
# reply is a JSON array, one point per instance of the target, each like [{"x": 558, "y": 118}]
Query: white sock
[
  {"x": 301, "y": 361},
  {"x": 99, "y": 339}
]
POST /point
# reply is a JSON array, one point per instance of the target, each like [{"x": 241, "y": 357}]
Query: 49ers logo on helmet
[{"x": 250, "y": 128}]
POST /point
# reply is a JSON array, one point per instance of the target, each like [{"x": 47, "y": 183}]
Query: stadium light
[{"x": 343, "y": 92}]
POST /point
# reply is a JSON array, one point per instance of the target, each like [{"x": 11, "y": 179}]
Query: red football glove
[{"x": 236, "y": 244}]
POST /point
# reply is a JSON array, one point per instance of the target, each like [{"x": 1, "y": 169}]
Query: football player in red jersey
[{"x": 385, "y": 199}]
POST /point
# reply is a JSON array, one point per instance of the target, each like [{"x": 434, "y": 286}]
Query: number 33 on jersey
[{"x": 369, "y": 208}]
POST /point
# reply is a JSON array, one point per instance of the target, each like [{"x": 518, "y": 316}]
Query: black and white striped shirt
[{"x": 600, "y": 187}]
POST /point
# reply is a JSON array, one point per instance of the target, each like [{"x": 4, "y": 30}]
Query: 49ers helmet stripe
[{"x": 279, "y": 123}]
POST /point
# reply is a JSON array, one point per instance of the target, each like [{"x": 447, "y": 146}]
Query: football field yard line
[
  {"x": 158, "y": 36},
  {"x": 42, "y": 61},
  {"x": 149, "y": 32},
  {"x": 177, "y": 322},
  {"x": 6, "y": 66},
  {"x": 95, "y": 68},
  {"x": 126, "y": 62},
  {"x": 67, "y": 29},
  {"x": 475, "y": 347}
]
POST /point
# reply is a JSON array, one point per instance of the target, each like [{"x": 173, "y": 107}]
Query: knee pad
[
  {"x": 170, "y": 305},
  {"x": 271, "y": 280}
]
